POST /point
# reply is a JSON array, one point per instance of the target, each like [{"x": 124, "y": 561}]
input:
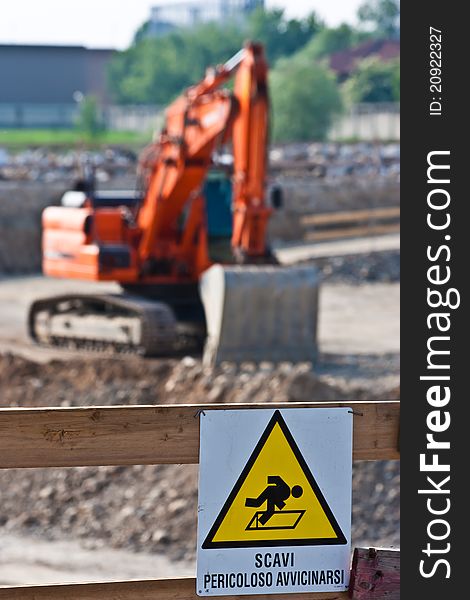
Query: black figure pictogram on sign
[{"x": 274, "y": 495}]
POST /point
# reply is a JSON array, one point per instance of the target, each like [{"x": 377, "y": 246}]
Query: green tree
[
  {"x": 382, "y": 15},
  {"x": 155, "y": 70},
  {"x": 305, "y": 99},
  {"x": 142, "y": 32},
  {"x": 374, "y": 81},
  {"x": 89, "y": 121},
  {"x": 281, "y": 36},
  {"x": 331, "y": 40}
]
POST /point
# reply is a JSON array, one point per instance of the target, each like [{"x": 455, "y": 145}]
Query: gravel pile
[
  {"x": 131, "y": 380},
  {"x": 153, "y": 508},
  {"x": 49, "y": 166},
  {"x": 143, "y": 508},
  {"x": 332, "y": 160},
  {"x": 383, "y": 267},
  {"x": 320, "y": 160}
]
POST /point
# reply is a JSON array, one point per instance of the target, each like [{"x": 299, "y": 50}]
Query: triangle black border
[{"x": 340, "y": 538}]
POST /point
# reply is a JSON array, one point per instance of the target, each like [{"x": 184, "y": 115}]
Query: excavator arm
[
  {"x": 197, "y": 123},
  {"x": 250, "y": 142}
]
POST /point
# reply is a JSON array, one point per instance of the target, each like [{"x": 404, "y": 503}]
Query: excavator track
[{"x": 111, "y": 323}]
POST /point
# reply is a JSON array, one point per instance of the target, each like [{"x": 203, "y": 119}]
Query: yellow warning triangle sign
[{"x": 276, "y": 500}]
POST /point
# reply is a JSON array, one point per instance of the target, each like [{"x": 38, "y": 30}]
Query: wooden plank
[
  {"x": 167, "y": 434},
  {"x": 351, "y": 216},
  {"x": 333, "y": 234},
  {"x": 162, "y": 589},
  {"x": 375, "y": 574}
]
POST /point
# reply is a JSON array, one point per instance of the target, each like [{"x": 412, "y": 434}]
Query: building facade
[
  {"x": 167, "y": 17},
  {"x": 37, "y": 81}
]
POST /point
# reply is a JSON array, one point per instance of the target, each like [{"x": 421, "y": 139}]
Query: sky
[{"x": 112, "y": 23}]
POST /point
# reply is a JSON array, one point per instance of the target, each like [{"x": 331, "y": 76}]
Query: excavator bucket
[{"x": 260, "y": 313}]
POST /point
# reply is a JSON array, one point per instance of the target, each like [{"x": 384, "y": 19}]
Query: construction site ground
[
  {"x": 141, "y": 521},
  {"x": 105, "y": 523}
]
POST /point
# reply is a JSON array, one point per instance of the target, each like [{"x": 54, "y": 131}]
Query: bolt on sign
[{"x": 274, "y": 513}]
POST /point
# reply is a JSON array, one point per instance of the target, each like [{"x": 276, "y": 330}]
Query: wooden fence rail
[
  {"x": 135, "y": 435},
  {"x": 352, "y": 223},
  {"x": 375, "y": 574},
  {"x": 158, "y": 589},
  {"x": 142, "y": 435}
]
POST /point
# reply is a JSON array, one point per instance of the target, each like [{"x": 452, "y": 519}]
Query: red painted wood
[{"x": 375, "y": 574}]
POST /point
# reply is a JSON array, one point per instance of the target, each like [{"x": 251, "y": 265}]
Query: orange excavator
[{"x": 156, "y": 244}]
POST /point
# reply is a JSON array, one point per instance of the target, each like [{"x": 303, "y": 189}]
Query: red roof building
[{"x": 344, "y": 62}]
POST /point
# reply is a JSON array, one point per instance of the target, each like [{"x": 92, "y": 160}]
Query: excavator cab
[{"x": 217, "y": 195}]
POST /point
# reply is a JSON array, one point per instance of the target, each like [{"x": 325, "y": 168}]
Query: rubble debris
[
  {"x": 373, "y": 267},
  {"x": 50, "y": 166},
  {"x": 324, "y": 160}
]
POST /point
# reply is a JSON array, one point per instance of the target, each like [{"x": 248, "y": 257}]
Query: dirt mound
[
  {"x": 131, "y": 380},
  {"x": 356, "y": 269},
  {"x": 153, "y": 508},
  {"x": 145, "y": 508}
]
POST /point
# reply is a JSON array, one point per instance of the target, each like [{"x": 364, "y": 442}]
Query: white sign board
[{"x": 274, "y": 512}]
